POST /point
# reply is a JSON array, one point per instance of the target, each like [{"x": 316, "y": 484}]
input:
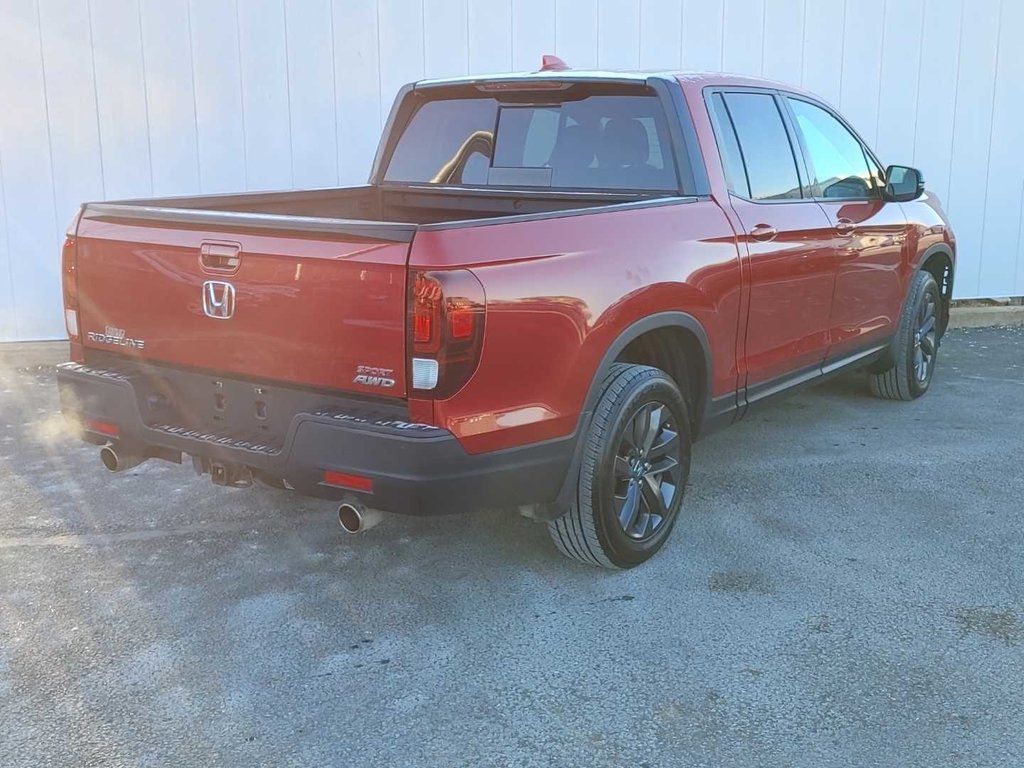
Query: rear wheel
[
  {"x": 915, "y": 345},
  {"x": 636, "y": 462}
]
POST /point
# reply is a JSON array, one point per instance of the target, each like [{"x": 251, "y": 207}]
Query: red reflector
[
  {"x": 103, "y": 427},
  {"x": 422, "y": 328},
  {"x": 344, "y": 480},
  {"x": 461, "y": 321}
]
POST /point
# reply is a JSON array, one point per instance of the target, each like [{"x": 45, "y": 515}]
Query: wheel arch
[
  {"x": 940, "y": 261},
  {"x": 681, "y": 327},
  {"x": 675, "y": 322}
]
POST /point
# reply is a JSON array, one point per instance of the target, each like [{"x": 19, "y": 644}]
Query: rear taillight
[
  {"x": 447, "y": 327},
  {"x": 69, "y": 276}
]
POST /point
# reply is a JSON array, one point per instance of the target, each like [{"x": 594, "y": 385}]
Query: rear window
[{"x": 599, "y": 142}]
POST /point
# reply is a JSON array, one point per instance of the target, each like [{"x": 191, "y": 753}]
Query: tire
[
  {"x": 915, "y": 347},
  {"x": 636, "y": 452}
]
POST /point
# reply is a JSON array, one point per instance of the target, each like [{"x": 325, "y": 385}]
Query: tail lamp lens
[
  {"x": 427, "y": 300},
  {"x": 448, "y": 310},
  {"x": 69, "y": 274},
  {"x": 460, "y": 322},
  {"x": 424, "y": 328},
  {"x": 69, "y": 280}
]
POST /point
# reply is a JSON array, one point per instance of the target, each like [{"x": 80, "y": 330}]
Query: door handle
[
  {"x": 220, "y": 257},
  {"x": 845, "y": 226},
  {"x": 764, "y": 232}
]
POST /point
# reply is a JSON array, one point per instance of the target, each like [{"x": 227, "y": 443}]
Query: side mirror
[{"x": 903, "y": 184}]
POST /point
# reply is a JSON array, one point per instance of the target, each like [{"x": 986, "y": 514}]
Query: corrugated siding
[{"x": 124, "y": 98}]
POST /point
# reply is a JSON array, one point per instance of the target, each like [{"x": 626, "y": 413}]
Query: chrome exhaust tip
[
  {"x": 118, "y": 462},
  {"x": 354, "y": 517}
]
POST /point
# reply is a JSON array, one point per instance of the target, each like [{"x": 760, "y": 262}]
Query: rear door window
[
  {"x": 764, "y": 147},
  {"x": 599, "y": 142}
]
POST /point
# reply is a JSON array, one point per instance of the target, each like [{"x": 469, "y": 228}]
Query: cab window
[
  {"x": 755, "y": 147},
  {"x": 839, "y": 165}
]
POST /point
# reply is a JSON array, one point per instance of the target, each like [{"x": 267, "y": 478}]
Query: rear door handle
[
  {"x": 845, "y": 226},
  {"x": 764, "y": 232}
]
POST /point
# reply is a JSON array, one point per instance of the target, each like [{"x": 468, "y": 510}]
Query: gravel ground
[{"x": 845, "y": 589}]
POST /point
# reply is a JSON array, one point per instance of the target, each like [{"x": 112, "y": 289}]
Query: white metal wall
[{"x": 125, "y": 98}]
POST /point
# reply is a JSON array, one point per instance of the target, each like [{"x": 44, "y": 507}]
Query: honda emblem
[{"x": 218, "y": 299}]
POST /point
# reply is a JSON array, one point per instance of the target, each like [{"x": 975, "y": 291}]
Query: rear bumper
[{"x": 415, "y": 468}]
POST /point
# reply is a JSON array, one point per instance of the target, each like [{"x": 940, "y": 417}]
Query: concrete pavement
[{"x": 845, "y": 589}]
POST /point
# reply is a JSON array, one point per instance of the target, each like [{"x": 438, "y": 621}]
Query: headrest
[{"x": 624, "y": 143}]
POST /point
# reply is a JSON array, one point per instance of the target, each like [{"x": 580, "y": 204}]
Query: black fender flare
[
  {"x": 946, "y": 250},
  {"x": 657, "y": 321},
  {"x": 933, "y": 249},
  {"x": 945, "y": 290}
]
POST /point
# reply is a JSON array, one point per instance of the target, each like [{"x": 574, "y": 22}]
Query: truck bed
[
  {"x": 320, "y": 277},
  {"x": 390, "y": 212}
]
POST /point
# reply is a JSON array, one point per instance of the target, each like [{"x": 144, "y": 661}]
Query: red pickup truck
[{"x": 552, "y": 285}]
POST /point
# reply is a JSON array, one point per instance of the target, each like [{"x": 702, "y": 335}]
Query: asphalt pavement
[{"x": 845, "y": 589}]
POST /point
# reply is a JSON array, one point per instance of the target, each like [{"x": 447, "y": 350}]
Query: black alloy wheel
[{"x": 647, "y": 471}]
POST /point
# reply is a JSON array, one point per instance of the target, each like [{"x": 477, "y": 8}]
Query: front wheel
[
  {"x": 635, "y": 465},
  {"x": 915, "y": 346}
]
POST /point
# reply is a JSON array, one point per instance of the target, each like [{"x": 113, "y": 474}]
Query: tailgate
[{"x": 321, "y": 309}]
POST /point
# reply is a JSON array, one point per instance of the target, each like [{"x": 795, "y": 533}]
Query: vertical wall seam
[
  {"x": 991, "y": 133},
  {"x": 46, "y": 113},
  {"x": 241, "y": 96},
  {"x": 682, "y": 30},
  {"x": 803, "y": 43},
  {"x": 956, "y": 100},
  {"x": 380, "y": 76},
  {"x": 195, "y": 99},
  {"x": 803, "y": 35},
  {"x": 1019, "y": 254},
  {"x": 512, "y": 33},
  {"x": 334, "y": 103},
  {"x": 764, "y": 25},
  {"x": 555, "y": 7},
  {"x": 639, "y": 31},
  {"x": 881, "y": 67},
  {"x": 842, "y": 55},
  {"x": 145, "y": 95},
  {"x": 96, "y": 97},
  {"x": 917, "y": 87},
  {"x": 288, "y": 95},
  {"x": 721, "y": 38},
  {"x": 10, "y": 258}
]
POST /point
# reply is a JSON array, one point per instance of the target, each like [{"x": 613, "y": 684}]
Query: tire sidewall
[
  {"x": 624, "y": 551},
  {"x": 925, "y": 285}
]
